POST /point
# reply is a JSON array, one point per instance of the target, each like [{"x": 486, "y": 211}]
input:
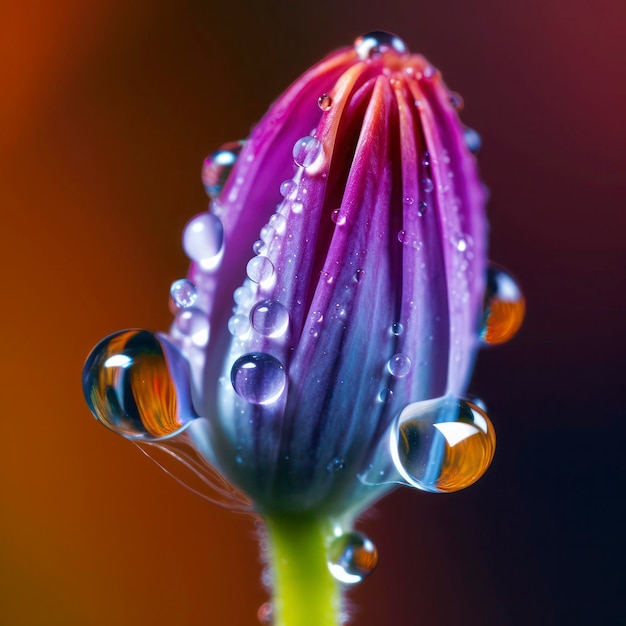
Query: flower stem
[{"x": 304, "y": 591}]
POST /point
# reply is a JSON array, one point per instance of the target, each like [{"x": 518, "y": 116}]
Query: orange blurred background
[{"x": 106, "y": 113}]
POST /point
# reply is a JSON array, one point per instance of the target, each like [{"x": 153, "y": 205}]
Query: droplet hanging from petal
[
  {"x": 352, "y": 557},
  {"x": 218, "y": 166},
  {"x": 504, "y": 307}
]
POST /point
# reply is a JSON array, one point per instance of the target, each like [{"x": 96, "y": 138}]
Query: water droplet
[
  {"x": 137, "y": 384},
  {"x": 442, "y": 445},
  {"x": 426, "y": 159},
  {"x": 427, "y": 185},
  {"x": 461, "y": 243},
  {"x": 239, "y": 326},
  {"x": 504, "y": 307},
  {"x": 351, "y": 557},
  {"x": 399, "y": 365},
  {"x": 288, "y": 188},
  {"x": 385, "y": 396},
  {"x": 183, "y": 293},
  {"x": 259, "y": 378},
  {"x": 408, "y": 200},
  {"x": 243, "y": 296},
  {"x": 264, "y": 614},
  {"x": 359, "y": 275},
  {"x": 337, "y": 217},
  {"x": 402, "y": 236},
  {"x": 421, "y": 208},
  {"x": 336, "y": 465},
  {"x": 396, "y": 329},
  {"x": 203, "y": 239},
  {"x": 325, "y": 102},
  {"x": 269, "y": 318},
  {"x": 218, "y": 166},
  {"x": 473, "y": 140},
  {"x": 257, "y": 246},
  {"x": 297, "y": 206},
  {"x": 259, "y": 269},
  {"x": 307, "y": 151},
  {"x": 456, "y": 100},
  {"x": 278, "y": 222},
  {"x": 377, "y": 42},
  {"x": 193, "y": 323}
]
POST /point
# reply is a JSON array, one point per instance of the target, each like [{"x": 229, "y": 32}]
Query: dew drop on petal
[
  {"x": 257, "y": 246},
  {"x": 426, "y": 159},
  {"x": 137, "y": 384},
  {"x": 338, "y": 217},
  {"x": 472, "y": 140},
  {"x": 239, "y": 326},
  {"x": 203, "y": 239},
  {"x": 183, "y": 293},
  {"x": 243, "y": 296},
  {"x": 399, "y": 365},
  {"x": 193, "y": 323},
  {"x": 269, "y": 318},
  {"x": 376, "y": 42},
  {"x": 396, "y": 329},
  {"x": 427, "y": 185},
  {"x": 402, "y": 236},
  {"x": 278, "y": 222},
  {"x": 259, "y": 269},
  {"x": 385, "y": 396},
  {"x": 258, "y": 377},
  {"x": 218, "y": 166},
  {"x": 442, "y": 445},
  {"x": 352, "y": 557},
  {"x": 336, "y": 465},
  {"x": 307, "y": 151},
  {"x": 456, "y": 100},
  {"x": 504, "y": 307},
  {"x": 359, "y": 275},
  {"x": 421, "y": 208},
  {"x": 288, "y": 188},
  {"x": 325, "y": 102}
]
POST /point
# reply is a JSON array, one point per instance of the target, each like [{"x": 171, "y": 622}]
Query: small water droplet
[
  {"x": 359, "y": 275},
  {"x": 504, "y": 307},
  {"x": 336, "y": 465},
  {"x": 218, "y": 166},
  {"x": 297, "y": 206},
  {"x": 426, "y": 159},
  {"x": 243, "y": 296},
  {"x": 278, "y": 222},
  {"x": 472, "y": 140},
  {"x": 259, "y": 269},
  {"x": 325, "y": 102},
  {"x": 421, "y": 208},
  {"x": 399, "y": 365},
  {"x": 288, "y": 188},
  {"x": 307, "y": 151},
  {"x": 456, "y": 100},
  {"x": 377, "y": 42},
  {"x": 137, "y": 384},
  {"x": 385, "y": 396},
  {"x": 203, "y": 239},
  {"x": 461, "y": 243},
  {"x": 239, "y": 326},
  {"x": 257, "y": 246},
  {"x": 352, "y": 557},
  {"x": 338, "y": 217},
  {"x": 259, "y": 378},
  {"x": 402, "y": 236},
  {"x": 193, "y": 323},
  {"x": 264, "y": 614},
  {"x": 396, "y": 329},
  {"x": 427, "y": 185},
  {"x": 183, "y": 293},
  {"x": 269, "y": 318},
  {"x": 408, "y": 200},
  {"x": 442, "y": 445}
]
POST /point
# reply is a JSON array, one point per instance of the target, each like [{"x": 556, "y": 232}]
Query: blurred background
[{"x": 107, "y": 110}]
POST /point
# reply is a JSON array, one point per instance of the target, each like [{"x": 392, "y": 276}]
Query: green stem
[{"x": 304, "y": 591}]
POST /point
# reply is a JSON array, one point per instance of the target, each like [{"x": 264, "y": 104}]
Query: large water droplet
[
  {"x": 442, "y": 445},
  {"x": 137, "y": 384},
  {"x": 325, "y": 102},
  {"x": 218, "y": 166},
  {"x": 399, "y": 365},
  {"x": 203, "y": 238},
  {"x": 259, "y": 269},
  {"x": 504, "y": 307},
  {"x": 259, "y": 378},
  {"x": 351, "y": 557},
  {"x": 473, "y": 140},
  {"x": 376, "y": 42},
  {"x": 183, "y": 293},
  {"x": 307, "y": 151},
  {"x": 193, "y": 323},
  {"x": 269, "y": 318}
]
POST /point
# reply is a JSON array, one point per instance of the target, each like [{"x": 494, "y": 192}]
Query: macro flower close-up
[{"x": 325, "y": 335}]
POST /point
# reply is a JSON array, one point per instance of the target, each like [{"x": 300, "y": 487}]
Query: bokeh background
[{"x": 107, "y": 109}]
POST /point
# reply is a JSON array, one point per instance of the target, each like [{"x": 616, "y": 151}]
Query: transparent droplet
[
  {"x": 137, "y": 384},
  {"x": 259, "y": 378},
  {"x": 183, "y": 293},
  {"x": 269, "y": 318},
  {"x": 385, "y": 396},
  {"x": 377, "y": 42},
  {"x": 288, "y": 188},
  {"x": 396, "y": 329},
  {"x": 336, "y": 465},
  {"x": 408, "y": 200},
  {"x": 456, "y": 100},
  {"x": 427, "y": 185},
  {"x": 442, "y": 445},
  {"x": 421, "y": 208},
  {"x": 278, "y": 222},
  {"x": 239, "y": 326},
  {"x": 297, "y": 206},
  {"x": 243, "y": 296},
  {"x": 351, "y": 557},
  {"x": 218, "y": 166},
  {"x": 402, "y": 236},
  {"x": 193, "y": 323},
  {"x": 504, "y": 307},
  {"x": 203, "y": 239},
  {"x": 473, "y": 140},
  {"x": 307, "y": 151},
  {"x": 259, "y": 269},
  {"x": 359, "y": 275},
  {"x": 264, "y": 614},
  {"x": 399, "y": 365},
  {"x": 257, "y": 246},
  {"x": 338, "y": 217},
  {"x": 325, "y": 102},
  {"x": 426, "y": 159}
]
